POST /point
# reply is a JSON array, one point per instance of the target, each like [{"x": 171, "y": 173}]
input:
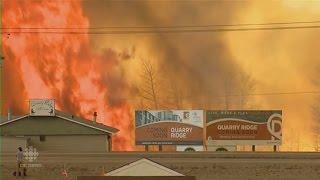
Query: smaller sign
[{"x": 42, "y": 107}]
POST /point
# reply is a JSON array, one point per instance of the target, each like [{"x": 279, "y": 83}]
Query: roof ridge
[
  {"x": 71, "y": 118},
  {"x": 144, "y": 159},
  {"x": 76, "y": 117}
]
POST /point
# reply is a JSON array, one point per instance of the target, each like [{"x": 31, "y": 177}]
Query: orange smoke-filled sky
[
  {"x": 278, "y": 61},
  {"x": 102, "y": 72}
]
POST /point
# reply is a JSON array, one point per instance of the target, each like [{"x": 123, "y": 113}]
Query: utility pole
[
  {"x": 1, "y": 88},
  {"x": 1, "y": 78},
  {"x": 1, "y": 72},
  {"x": 1, "y": 66}
]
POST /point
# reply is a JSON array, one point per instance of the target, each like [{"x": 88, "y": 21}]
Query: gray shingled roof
[{"x": 86, "y": 121}]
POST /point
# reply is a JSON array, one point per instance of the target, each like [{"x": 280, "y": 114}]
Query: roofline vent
[
  {"x": 9, "y": 114},
  {"x": 95, "y": 114}
]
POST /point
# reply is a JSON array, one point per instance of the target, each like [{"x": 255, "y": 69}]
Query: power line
[
  {"x": 165, "y": 31},
  {"x": 259, "y": 94},
  {"x": 165, "y": 27},
  {"x": 273, "y": 93},
  {"x": 255, "y": 94}
]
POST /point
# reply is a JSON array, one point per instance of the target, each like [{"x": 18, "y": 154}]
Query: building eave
[
  {"x": 13, "y": 120},
  {"x": 87, "y": 125}
]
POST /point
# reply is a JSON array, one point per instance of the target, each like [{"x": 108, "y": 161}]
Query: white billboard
[{"x": 41, "y": 107}]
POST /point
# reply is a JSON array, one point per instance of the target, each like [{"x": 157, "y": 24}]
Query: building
[
  {"x": 57, "y": 132},
  {"x": 142, "y": 169},
  {"x": 176, "y": 117},
  {"x": 165, "y": 115},
  {"x": 145, "y": 117}
]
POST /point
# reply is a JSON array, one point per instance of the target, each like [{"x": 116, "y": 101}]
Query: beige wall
[
  {"x": 74, "y": 144},
  {"x": 11, "y": 144}
]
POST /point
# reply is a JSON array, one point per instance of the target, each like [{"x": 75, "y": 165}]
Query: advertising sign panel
[
  {"x": 244, "y": 127},
  {"x": 41, "y": 107},
  {"x": 175, "y": 127}
]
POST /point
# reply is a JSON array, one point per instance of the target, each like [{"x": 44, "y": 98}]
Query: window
[{"x": 42, "y": 138}]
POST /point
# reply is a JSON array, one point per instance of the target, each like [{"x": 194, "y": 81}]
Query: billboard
[
  {"x": 244, "y": 127},
  {"x": 41, "y": 107},
  {"x": 171, "y": 127}
]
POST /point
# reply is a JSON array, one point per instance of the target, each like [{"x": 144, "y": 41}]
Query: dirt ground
[{"x": 205, "y": 166}]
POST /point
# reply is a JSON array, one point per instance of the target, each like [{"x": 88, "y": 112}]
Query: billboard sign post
[
  {"x": 169, "y": 127},
  {"x": 244, "y": 127}
]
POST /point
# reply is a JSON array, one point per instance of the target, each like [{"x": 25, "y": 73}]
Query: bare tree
[
  {"x": 315, "y": 110},
  {"x": 242, "y": 85},
  {"x": 176, "y": 96},
  {"x": 226, "y": 94},
  {"x": 316, "y": 129},
  {"x": 173, "y": 96},
  {"x": 148, "y": 90},
  {"x": 149, "y": 87},
  {"x": 247, "y": 85}
]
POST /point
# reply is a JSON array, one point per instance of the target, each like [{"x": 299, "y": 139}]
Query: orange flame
[{"x": 62, "y": 66}]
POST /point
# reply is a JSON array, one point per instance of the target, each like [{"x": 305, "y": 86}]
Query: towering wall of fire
[{"x": 62, "y": 66}]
